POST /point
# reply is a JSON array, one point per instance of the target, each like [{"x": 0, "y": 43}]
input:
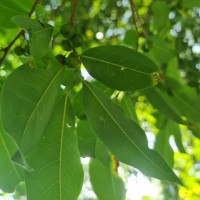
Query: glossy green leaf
[
  {"x": 125, "y": 139},
  {"x": 162, "y": 146},
  {"x": 159, "y": 102},
  {"x": 105, "y": 183},
  {"x": 10, "y": 8},
  {"x": 58, "y": 173},
  {"x": 26, "y": 23},
  {"x": 11, "y": 174},
  {"x": 40, "y": 40},
  {"x": 28, "y": 99},
  {"x": 86, "y": 139},
  {"x": 120, "y": 68}
]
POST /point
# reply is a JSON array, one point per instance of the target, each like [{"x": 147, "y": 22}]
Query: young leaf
[
  {"x": 28, "y": 99},
  {"x": 11, "y": 174},
  {"x": 125, "y": 139},
  {"x": 58, "y": 173},
  {"x": 120, "y": 68}
]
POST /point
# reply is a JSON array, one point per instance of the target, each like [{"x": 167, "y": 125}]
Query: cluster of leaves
[{"x": 51, "y": 116}]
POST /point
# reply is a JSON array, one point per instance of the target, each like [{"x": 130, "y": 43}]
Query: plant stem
[
  {"x": 132, "y": 5},
  {"x": 73, "y": 12}
]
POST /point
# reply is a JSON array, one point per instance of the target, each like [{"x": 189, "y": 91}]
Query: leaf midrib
[
  {"x": 37, "y": 104},
  {"x": 123, "y": 130},
  {"x": 61, "y": 146},
  {"x": 4, "y": 7},
  {"x": 116, "y": 65}
]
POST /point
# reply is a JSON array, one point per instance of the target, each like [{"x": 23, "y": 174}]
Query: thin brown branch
[
  {"x": 71, "y": 21},
  {"x": 6, "y": 49},
  {"x": 132, "y": 5},
  {"x": 33, "y": 8}
]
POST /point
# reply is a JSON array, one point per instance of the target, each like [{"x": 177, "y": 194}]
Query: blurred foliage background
[{"x": 167, "y": 31}]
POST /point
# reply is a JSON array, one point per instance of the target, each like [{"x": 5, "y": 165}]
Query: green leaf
[
  {"x": 86, "y": 139},
  {"x": 160, "y": 16},
  {"x": 10, "y": 8},
  {"x": 105, "y": 183},
  {"x": 130, "y": 38},
  {"x": 70, "y": 77},
  {"x": 183, "y": 99},
  {"x": 11, "y": 174},
  {"x": 120, "y": 68},
  {"x": 26, "y": 23},
  {"x": 40, "y": 40},
  {"x": 28, "y": 99},
  {"x": 163, "y": 147},
  {"x": 78, "y": 105},
  {"x": 125, "y": 139},
  {"x": 103, "y": 174},
  {"x": 190, "y": 4},
  {"x": 127, "y": 104},
  {"x": 58, "y": 173},
  {"x": 174, "y": 130},
  {"x": 161, "y": 50},
  {"x": 162, "y": 105}
]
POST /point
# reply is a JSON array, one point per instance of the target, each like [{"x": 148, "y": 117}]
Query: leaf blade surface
[
  {"x": 120, "y": 68},
  {"x": 28, "y": 98},
  {"x": 57, "y": 169},
  {"x": 125, "y": 139}
]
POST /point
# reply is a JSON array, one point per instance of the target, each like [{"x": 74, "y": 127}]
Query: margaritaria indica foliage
[{"x": 138, "y": 80}]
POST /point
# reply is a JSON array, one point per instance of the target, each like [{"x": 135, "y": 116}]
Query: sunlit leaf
[
  {"x": 28, "y": 99},
  {"x": 58, "y": 173},
  {"x": 125, "y": 139},
  {"x": 120, "y": 68}
]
